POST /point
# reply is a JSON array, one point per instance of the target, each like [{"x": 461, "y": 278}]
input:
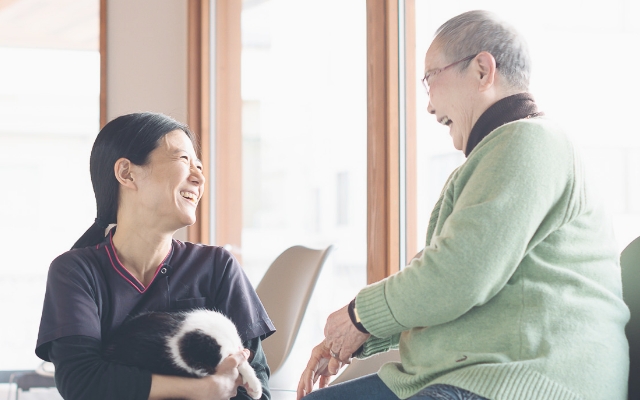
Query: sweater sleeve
[
  {"x": 375, "y": 345},
  {"x": 81, "y": 373},
  {"x": 507, "y": 198}
]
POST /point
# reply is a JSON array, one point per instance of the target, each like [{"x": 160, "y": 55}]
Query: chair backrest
[
  {"x": 285, "y": 291},
  {"x": 630, "y": 263}
]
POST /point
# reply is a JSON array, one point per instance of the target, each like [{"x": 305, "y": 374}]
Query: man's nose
[{"x": 430, "y": 108}]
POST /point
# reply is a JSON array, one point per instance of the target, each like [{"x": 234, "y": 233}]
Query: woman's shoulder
[
  {"x": 78, "y": 265},
  {"x": 199, "y": 248},
  {"x": 82, "y": 257},
  {"x": 188, "y": 251}
]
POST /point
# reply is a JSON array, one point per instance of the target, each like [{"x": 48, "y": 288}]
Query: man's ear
[
  {"x": 485, "y": 66},
  {"x": 123, "y": 172}
]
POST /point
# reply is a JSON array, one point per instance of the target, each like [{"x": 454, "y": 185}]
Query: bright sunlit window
[
  {"x": 49, "y": 116},
  {"x": 304, "y": 149}
]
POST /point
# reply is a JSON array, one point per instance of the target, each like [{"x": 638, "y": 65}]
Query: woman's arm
[
  {"x": 81, "y": 373},
  {"x": 169, "y": 386},
  {"x": 221, "y": 386}
]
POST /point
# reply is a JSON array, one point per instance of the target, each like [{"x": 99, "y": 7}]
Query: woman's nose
[{"x": 197, "y": 176}]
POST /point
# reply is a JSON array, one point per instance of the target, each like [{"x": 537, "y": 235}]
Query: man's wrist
[{"x": 355, "y": 319}]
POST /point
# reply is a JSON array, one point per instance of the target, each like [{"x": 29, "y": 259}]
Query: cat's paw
[
  {"x": 253, "y": 386},
  {"x": 250, "y": 381}
]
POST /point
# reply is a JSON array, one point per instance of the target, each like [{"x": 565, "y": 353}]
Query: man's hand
[
  {"x": 342, "y": 338},
  {"x": 317, "y": 368}
]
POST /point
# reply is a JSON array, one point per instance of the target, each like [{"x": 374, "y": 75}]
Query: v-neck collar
[{"x": 124, "y": 272}]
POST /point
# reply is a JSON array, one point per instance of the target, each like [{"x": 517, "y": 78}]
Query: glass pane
[
  {"x": 584, "y": 60},
  {"x": 304, "y": 147},
  {"x": 49, "y": 116}
]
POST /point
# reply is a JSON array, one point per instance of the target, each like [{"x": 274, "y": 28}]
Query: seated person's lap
[{"x": 371, "y": 387}]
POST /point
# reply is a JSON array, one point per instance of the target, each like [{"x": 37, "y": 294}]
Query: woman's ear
[
  {"x": 486, "y": 70},
  {"x": 122, "y": 169}
]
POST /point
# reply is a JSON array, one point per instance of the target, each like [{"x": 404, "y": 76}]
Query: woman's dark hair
[{"x": 131, "y": 136}]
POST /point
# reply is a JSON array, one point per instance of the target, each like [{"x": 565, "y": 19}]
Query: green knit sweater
[{"x": 517, "y": 294}]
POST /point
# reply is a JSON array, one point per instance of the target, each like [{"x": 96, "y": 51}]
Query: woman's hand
[
  {"x": 226, "y": 380},
  {"x": 317, "y": 368},
  {"x": 223, "y": 385}
]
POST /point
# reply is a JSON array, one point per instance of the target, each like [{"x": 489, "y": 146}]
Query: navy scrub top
[{"x": 90, "y": 293}]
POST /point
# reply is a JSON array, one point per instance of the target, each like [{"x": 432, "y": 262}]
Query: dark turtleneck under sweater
[{"x": 509, "y": 109}]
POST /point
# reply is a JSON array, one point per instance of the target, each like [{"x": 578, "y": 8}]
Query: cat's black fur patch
[
  {"x": 200, "y": 351},
  {"x": 141, "y": 342}
]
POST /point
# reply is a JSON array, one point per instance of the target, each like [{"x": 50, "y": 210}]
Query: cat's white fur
[{"x": 223, "y": 330}]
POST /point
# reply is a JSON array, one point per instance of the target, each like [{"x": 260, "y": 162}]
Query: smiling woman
[
  {"x": 148, "y": 180},
  {"x": 123, "y": 145},
  {"x": 164, "y": 190}
]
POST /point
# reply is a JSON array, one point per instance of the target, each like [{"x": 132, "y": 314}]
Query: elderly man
[{"x": 517, "y": 293}]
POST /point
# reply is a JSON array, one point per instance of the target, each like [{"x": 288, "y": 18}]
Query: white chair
[
  {"x": 630, "y": 264},
  {"x": 285, "y": 291}
]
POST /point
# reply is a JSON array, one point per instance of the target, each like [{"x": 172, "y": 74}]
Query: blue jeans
[{"x": 371, "y": 387}]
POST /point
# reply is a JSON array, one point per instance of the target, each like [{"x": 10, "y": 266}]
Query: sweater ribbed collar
[{"x": 509, "y": 109}]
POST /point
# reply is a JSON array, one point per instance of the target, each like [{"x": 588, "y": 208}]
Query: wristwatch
[{"x": 355, "y": 318}]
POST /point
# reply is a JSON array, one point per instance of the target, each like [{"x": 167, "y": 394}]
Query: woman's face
[{"x": 171, "y": 184}]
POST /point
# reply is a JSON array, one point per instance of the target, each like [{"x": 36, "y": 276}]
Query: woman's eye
[
  {"x": 185, "y": 157},
  {"x": 199, "y": 167}
]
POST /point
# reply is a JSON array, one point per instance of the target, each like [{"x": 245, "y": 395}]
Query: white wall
[{"x": 147, "y": 57}]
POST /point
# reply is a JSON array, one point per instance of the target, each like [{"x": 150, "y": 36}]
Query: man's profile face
[{"x": 449, "y": 95}]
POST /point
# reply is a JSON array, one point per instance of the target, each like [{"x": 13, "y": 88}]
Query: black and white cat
[{"x": 188, "y": 343}]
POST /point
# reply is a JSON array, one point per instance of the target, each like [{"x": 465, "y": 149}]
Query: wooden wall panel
[
  {"x": 198, "y": 105},
  {"x": 411, "y": 130},
  {"x": 228, "y": 202},
  {"x": 382, "y": 140}
]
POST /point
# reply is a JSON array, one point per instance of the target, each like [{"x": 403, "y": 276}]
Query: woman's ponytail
[{"x": 93, "y": 235}]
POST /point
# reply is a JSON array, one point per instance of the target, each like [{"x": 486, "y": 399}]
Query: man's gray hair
[{"x": 475, "y": 31}]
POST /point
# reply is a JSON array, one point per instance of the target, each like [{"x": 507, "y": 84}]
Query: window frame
[{"x": 220, "y": 211}]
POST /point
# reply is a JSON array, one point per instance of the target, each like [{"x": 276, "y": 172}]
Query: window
[
  {"x": 49, "y": 116},
  {"x": 304, "y": 132}
]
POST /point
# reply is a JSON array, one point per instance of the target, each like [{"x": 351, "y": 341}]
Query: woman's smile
[{"x": 189, "y": 196}]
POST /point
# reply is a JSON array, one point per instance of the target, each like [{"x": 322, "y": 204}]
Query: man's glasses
[{"x": 429, "y": 74}]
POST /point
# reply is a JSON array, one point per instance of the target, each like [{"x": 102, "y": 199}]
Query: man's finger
[
  {"x": 302, "y": 385},
  {"x": 301, "y": 391},
  {"x": 324, "y": 381},
  {"x": 334, "y": 365}
]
